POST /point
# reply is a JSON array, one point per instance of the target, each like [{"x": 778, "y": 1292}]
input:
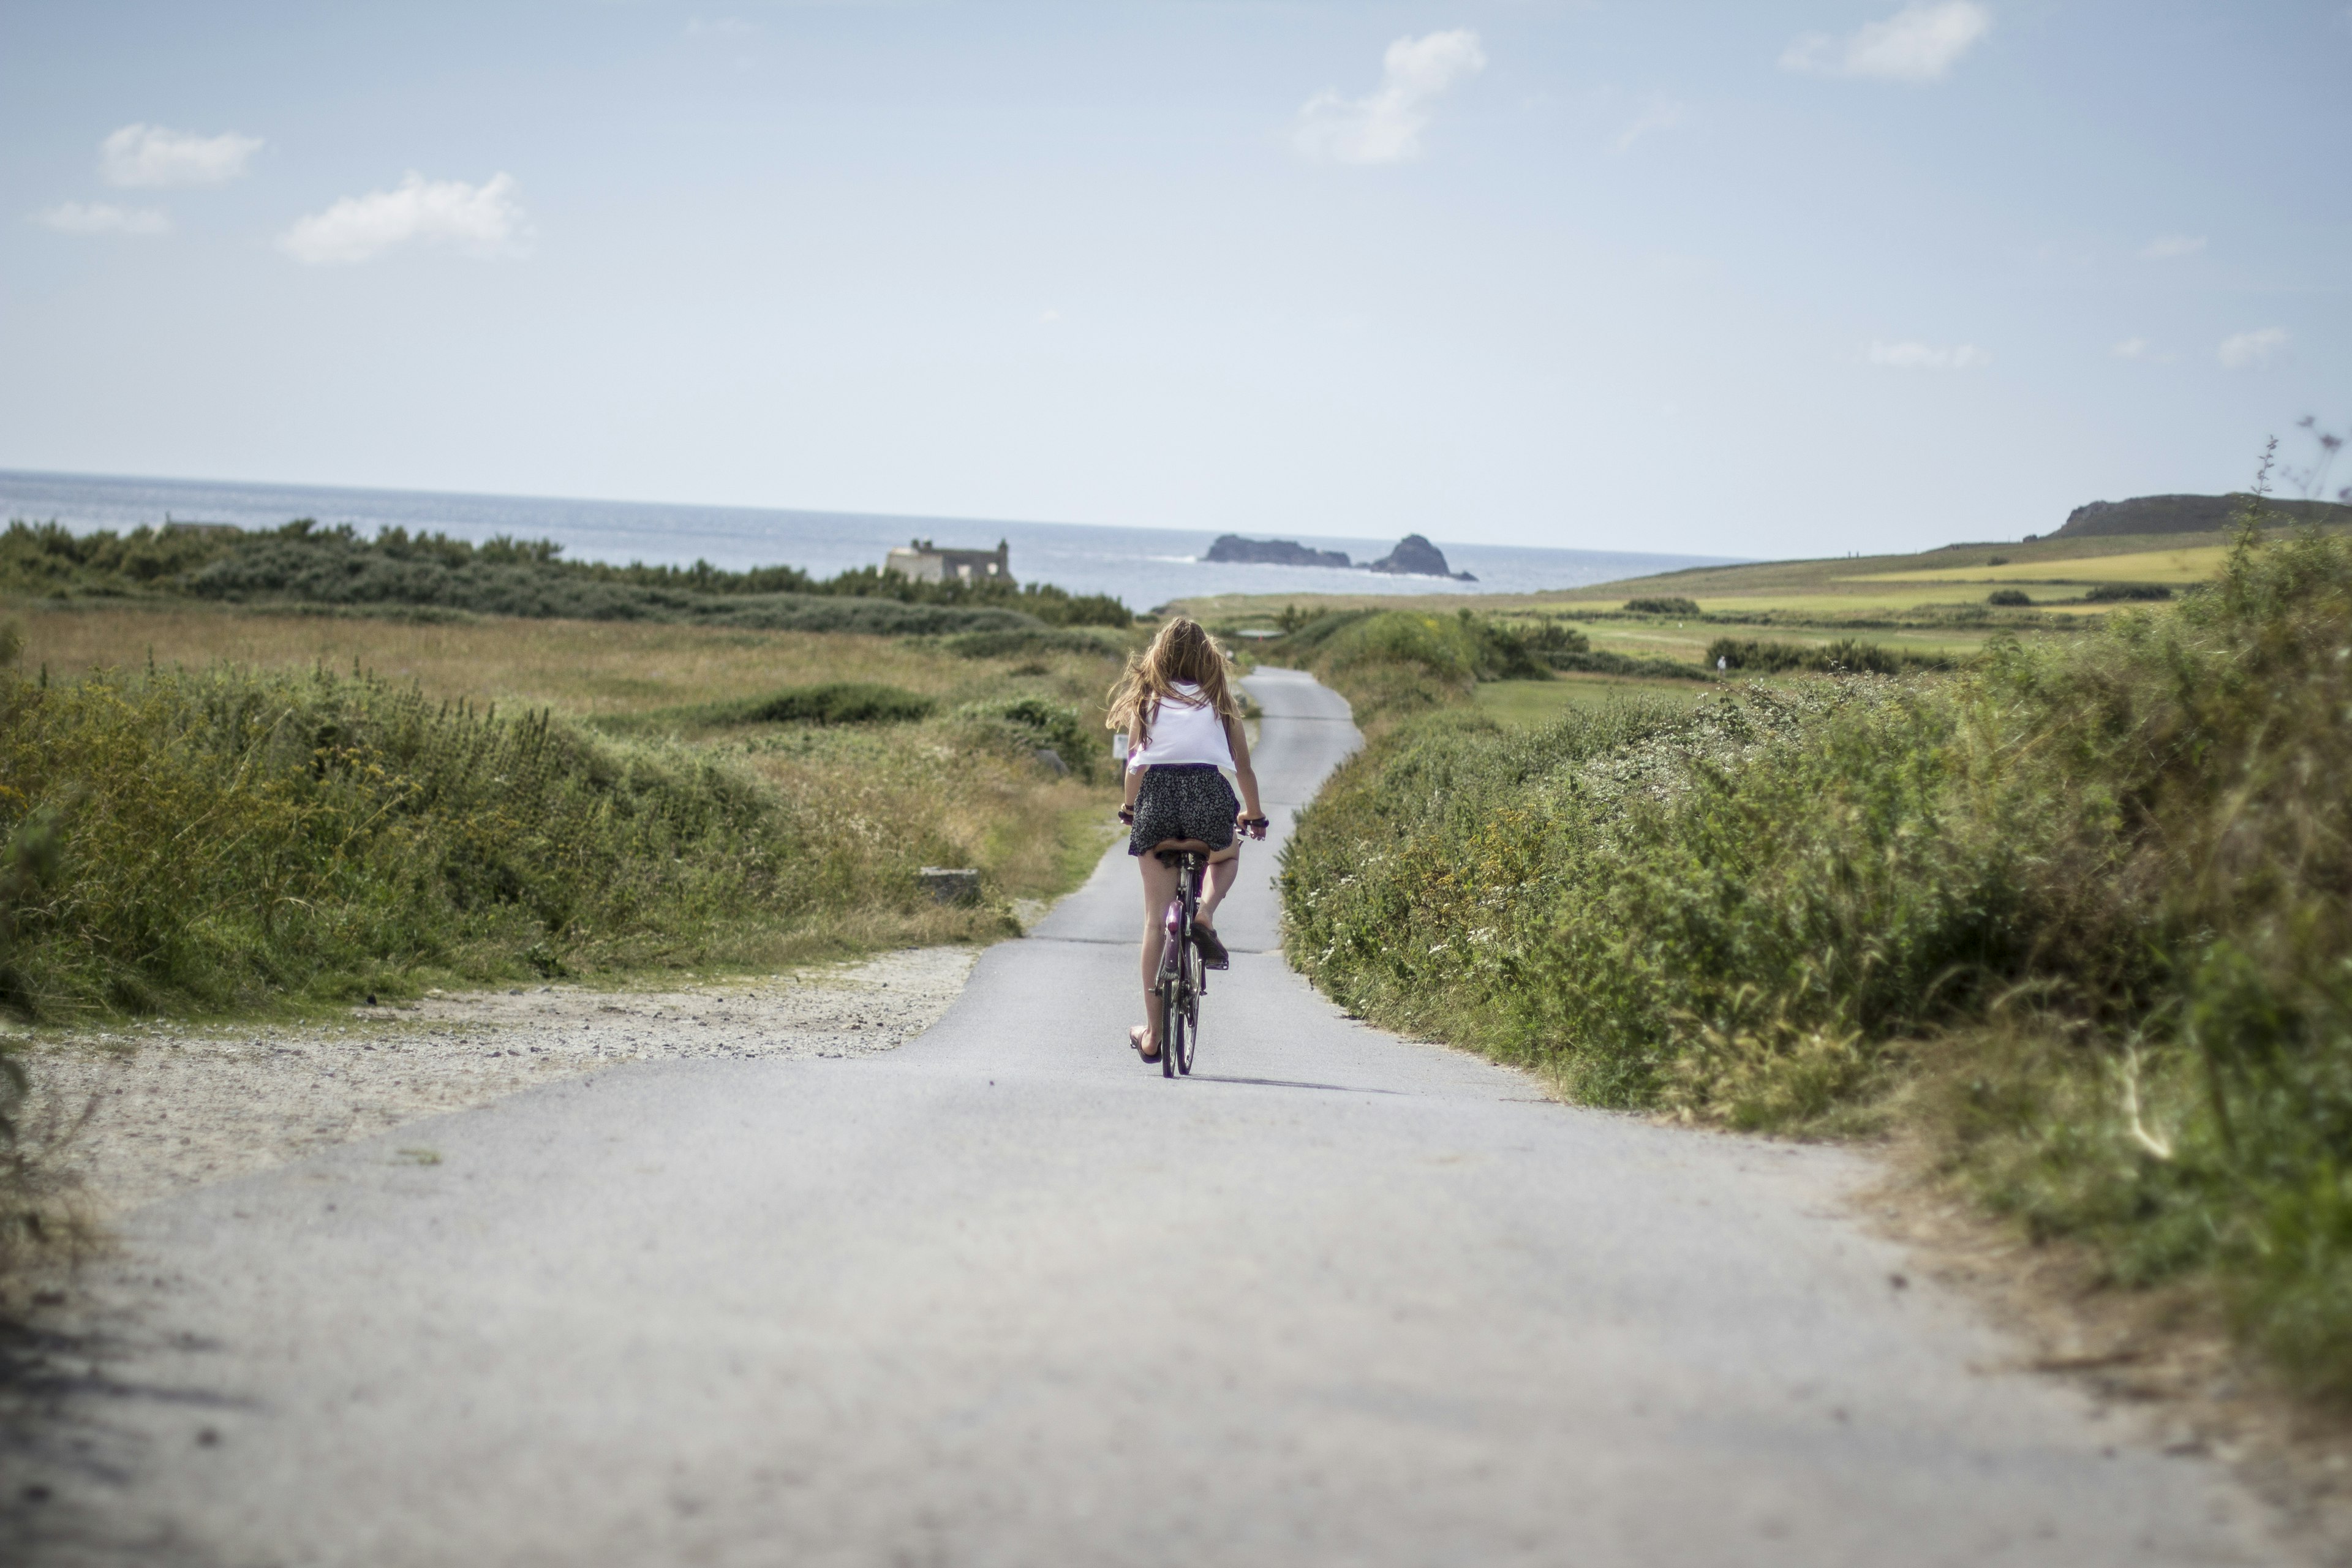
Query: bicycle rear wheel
[
  {"x": 1188, "y": 1026},
  {"x": 1171, "y": 1026}
]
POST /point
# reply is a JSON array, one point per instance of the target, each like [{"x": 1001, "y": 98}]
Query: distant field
[
  {"x": 1833, "y": 596},
  {"x": 1931, "y": 585},
  {"x": 2173, "y": 567},
  {"x": 1688, "y": 639},
  {"x": 1854, "y": 586},
  {"x": 1847, "y": 600},
  {"x": 1532, "y": 702}
]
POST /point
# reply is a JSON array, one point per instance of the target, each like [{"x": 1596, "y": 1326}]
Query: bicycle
[{"x": 1183, "y": 977}]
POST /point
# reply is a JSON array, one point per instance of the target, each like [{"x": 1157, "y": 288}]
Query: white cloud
[
  {"x": 2252, "y": 350},
  {"x": 1927, "y": 356},
  {"x": 480, "y": 220},
  {"x": 2142, "y": 350},
  {"x": 104, "y": 218},
  {"x": 1386, "y": 127},
  {"x": 152, "y": 155},
  {"x": 1662, "y": 115},
  {"x": 2165, "y": 246},
  {"x": 1918, "y": 43}
]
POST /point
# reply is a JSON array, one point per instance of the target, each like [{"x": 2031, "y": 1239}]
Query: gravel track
[{"x": 176, "y": 1108}]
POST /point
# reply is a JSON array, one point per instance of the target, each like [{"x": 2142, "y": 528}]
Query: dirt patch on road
[
  {"x": 174, "y": 1106},
  {"x": 2160, "y": 1363}
]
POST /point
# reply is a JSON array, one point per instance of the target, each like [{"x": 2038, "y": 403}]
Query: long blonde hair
[{"x": 1183, "y": 651}]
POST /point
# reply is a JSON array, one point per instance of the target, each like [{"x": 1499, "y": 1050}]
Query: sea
[{"x": 1145, "y": 567}]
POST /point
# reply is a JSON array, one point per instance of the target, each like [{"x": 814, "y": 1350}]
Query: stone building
[{"x": 923, "y": 562}]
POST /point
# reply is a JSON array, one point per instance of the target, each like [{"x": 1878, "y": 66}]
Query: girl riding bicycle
[{"x": 1177, "y": 706}]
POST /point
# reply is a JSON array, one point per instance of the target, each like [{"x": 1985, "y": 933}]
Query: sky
[{"x": 1779, "y": 278}]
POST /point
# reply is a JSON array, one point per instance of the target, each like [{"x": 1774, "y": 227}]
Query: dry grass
[
  {"x": 584, "y": 668},
  {"x": 2194, "y": 564}
]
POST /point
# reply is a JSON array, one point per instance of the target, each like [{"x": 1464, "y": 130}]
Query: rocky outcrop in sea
[
  {"x": 1417, "y": 557},
  {"x": 1412, "y": 557},
  {"x": 1232, "y": 547}
]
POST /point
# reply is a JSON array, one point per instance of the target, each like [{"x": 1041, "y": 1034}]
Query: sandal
[
  {"x": 1138, "y": 1037},
  {"x": 1212, "y": 952}
]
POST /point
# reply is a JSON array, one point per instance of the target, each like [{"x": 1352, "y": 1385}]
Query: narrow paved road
[{"x": 1004, "y": 1297}]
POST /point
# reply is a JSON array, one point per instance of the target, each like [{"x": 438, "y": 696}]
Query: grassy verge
[
  {"x": 844, "y": 759},
  {"x": 226, "y": 839},
  {"x": 2075, "y": 917}
]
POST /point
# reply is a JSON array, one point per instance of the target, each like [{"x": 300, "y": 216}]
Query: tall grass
[
  {"x": 586, "y": 669},
  {"x": 2077, "y": 914},
  {"x": 229, "y": 839}
]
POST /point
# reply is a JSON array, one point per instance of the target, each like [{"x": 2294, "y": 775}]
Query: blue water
[{"x": 1143, "y": 566}]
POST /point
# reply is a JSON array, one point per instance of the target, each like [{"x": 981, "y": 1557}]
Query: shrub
[
  {"x": 1028, "y": 724},
  {"x": 2009, "y": 596},
  {"x": 1059, "y": 608},
  {"x": 2114, "y": 593},
  {"x": 1549, "y": 641},
  {"x": 1662, "y": 606},
  {"x": 47, "y": 559},
  {"x": 838, "y": 703},
  {"x": 1845, "y": 655},
  {"x": 304, "y": 562}
]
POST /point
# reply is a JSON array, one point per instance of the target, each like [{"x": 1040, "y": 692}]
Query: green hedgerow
[{"x": 2081, "y": 909}]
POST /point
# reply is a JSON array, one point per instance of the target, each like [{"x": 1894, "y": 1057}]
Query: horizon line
[{"x": 968, "y": 521}]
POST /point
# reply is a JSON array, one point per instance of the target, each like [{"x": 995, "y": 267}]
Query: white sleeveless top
[{"x": 1182, "y": 732}]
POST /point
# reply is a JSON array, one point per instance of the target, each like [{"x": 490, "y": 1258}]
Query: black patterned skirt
[{"x": 1183, "y": 800}]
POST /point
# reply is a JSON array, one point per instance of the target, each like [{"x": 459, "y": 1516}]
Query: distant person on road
[{"x": 1175, "y": 702}]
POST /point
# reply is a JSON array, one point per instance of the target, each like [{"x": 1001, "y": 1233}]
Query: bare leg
[
  {"x": 1225, "y": 870},
  {"x": 1158, "y": 887}
]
